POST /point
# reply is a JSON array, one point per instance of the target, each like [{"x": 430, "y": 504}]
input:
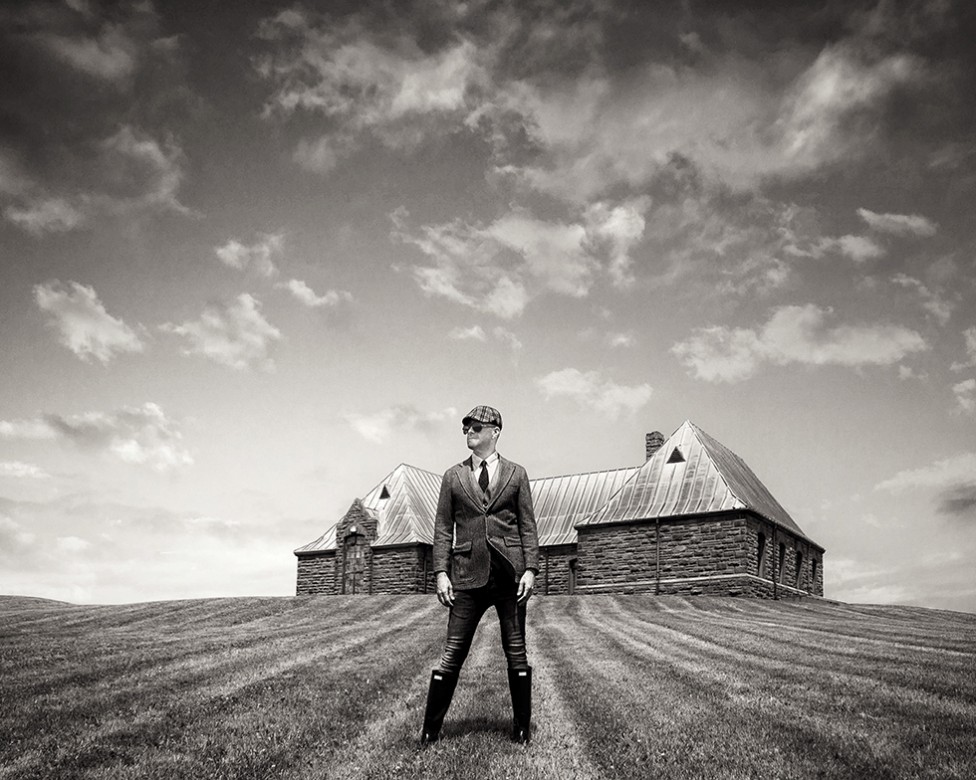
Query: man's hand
[
  {"x": 525, "y": 586},
  {"x": 445, "y": 590}
]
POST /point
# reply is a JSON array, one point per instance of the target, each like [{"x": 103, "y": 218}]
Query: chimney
[{"x": 653, "y": 441}]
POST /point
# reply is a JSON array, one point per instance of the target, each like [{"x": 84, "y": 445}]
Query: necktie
[{"x": 483, "y": 477}]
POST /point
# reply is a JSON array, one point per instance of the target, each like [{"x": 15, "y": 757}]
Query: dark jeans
[{"x": 471, "y": 605}]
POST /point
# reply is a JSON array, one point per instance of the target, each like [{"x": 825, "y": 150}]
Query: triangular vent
[
  {"x": 384, "y": 493},
  {"x": 676, "y": 456}
]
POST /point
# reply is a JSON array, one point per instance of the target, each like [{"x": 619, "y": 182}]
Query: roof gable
[
  {"x": 692, "y": 474},
  {"x": 405, "y": 502}
]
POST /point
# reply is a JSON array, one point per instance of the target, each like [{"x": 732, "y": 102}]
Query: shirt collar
[{"x": 490, "y": 460}]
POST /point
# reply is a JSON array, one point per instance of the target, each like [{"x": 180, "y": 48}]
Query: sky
[{"x": 254, "y": 256}]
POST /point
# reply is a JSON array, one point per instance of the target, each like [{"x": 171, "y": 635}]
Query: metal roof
[
  {"x": 406, "y": 515},
  {"x": 692, "y": 474},
  {"x": 561, "y": 502},
  {"x": 326, "y": 541}
]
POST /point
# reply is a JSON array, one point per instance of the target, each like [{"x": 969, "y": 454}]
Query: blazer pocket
[
  {"x": 513, "y": 541},
  {"x": 462, "y": 547}
]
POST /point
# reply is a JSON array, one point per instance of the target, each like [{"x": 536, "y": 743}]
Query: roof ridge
[
  {"x": 587, "y": 473},
  {"x": 706, "y": 441}
]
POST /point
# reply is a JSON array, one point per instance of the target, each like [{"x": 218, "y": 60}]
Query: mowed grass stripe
[
  {"x": 858, "y": 720},
  {"x": 182, "y": 655},
  {"x": 625, "y": 687},
  {"x": 745, "y": 645},
  {"x": 652, "y": 719},
  {"x": 867, "y": 685},
  {"x": 122, "y": 709}
]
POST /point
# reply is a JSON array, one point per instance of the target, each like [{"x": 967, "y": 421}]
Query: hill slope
[{"x": 626, "y": 686}]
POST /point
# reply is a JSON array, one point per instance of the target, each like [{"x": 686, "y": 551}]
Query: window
[
  {"x": 799, "y": 569},
  {"x": 813, "y": 574},
  {"x": 676, "y": 456},
  {"x": 782, "y": 562},
  {"x": 761, "y": 555}
]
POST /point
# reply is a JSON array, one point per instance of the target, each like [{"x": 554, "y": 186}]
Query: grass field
[{"x": 625, "y": 687}]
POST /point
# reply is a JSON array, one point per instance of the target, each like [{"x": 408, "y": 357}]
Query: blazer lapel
[
  {"x": 502, "y": 477},
  {"x": 467, "y": 483}
]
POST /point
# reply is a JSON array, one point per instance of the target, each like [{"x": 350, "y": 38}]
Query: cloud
[
  {"x": 899, "y": 224},
  {"x": 141, "y": 435},
  {"x": 379, "y": 426},
  {"x": 109, "y": 55},
  {"x": 499, "y": 267},
  {"x": 128, "y": 172},
  {"x": 89, "y": 84},
  {"x": 941, "y": 474},
  {"x": 508, "y": 338},
  {"x": 938, "y": 307},
  {"x": 477, "y": 333},
  {"x": 18, "y": 470},
  {"x": 970, "y": 338},
  {"x": 617, "y": 340},
  {"x": 952, "y": 479},
  {"x": 590, "y": 390},
  {"x": 831, "y": 112},
  {"x": 365, "y": 84},
  {"x": 258, "y": 257},
  {"x": 959, "y": 501},
  {"x": 235, "y": 335},
  {"x": 858, "y": 248},
  {"x": 965, "y": 393},
  {"x": 42, "y": 215},
  {"x": 474, "y": 333},
  {"x": 793, "y": 334},
  {"x": 82, "y": 322},
  {"x": 307, "y": 296}
]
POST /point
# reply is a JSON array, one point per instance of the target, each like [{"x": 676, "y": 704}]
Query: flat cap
[{"x": 483, "y": 414}]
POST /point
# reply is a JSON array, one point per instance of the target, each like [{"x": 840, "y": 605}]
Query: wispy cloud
[
  {"x": 379, "y": 426},
  {"x": 83, "y": 324},
  {"x": 98, "y": 157},
  {"x": 943, "y": 473},
  {"x": 793, "y": 334},
  {"x": 19, "y": 470},
  {"x": 499, "y": 267},
  {"x": 969, "y": 336},
  {"x": 234, "y": 334},
  {"x": 935, "y": 304},
  {"x": 952, "y": 479},
  {"x": 383, "y": 86},
  {"x": 591, "y": 390},
  {"x": 473, "y": 333},
  {"x": 899, "y": 224},
  {"x": 141, "y": 435},
  {"x": 965, "y": 393},
  {"x": 257, "y": 257},
  {"x": 308, "y": 297}
]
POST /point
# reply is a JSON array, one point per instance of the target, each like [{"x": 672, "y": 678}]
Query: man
[{"x": 486, "y": 553}]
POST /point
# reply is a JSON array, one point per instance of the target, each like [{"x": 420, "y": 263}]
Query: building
[{"x": 692, "y": 519}]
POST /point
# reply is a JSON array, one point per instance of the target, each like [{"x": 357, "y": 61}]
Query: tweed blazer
[{"x": 467, "y": 523}]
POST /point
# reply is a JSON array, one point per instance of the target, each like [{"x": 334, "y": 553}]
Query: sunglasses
[{"x": 477, "y": 428}]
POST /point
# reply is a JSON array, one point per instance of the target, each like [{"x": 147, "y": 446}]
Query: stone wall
[
  {"x": 398, "y": 569},
  {"x": 704, "y": 555},
  {"x": 710, "y": 556},
  {"x": 317, "y": 574},
  {"x": 554, "y": 572},
  {"x": 794, "y": 549}
]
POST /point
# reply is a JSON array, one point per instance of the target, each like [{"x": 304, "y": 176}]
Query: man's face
[{"x": 478, "y": 433}]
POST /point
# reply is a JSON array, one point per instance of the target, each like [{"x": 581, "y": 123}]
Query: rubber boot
[
  {"x": 439, "y": 697},
  {"x": 520, "y": 684}
]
